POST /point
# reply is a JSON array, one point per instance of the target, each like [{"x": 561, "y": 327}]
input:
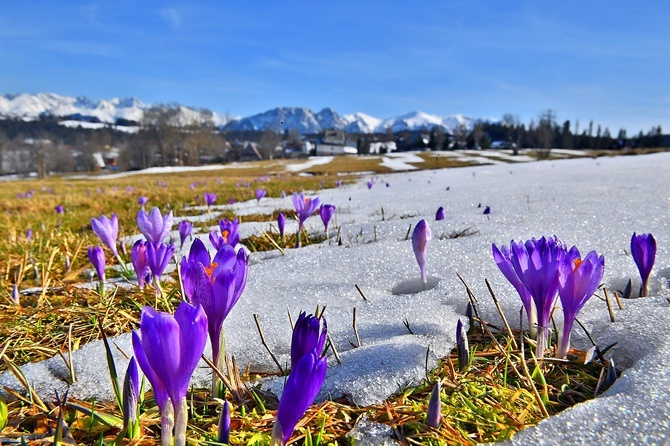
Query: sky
[{"x": 604, "y": 61}]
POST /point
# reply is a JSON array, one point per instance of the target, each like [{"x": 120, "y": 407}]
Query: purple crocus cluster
[
  {"x": 543, "y": 269},
  {"x": 151, "y": 257},
  {"x": 308, "y": 370}
]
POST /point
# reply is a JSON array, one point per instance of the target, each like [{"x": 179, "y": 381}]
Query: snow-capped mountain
[
  {"x": 81, "y": 109},
  {"x": 361, "y": 123},
  {"x": 32, "y": 106},
  {"x": 422, "y": 121}
]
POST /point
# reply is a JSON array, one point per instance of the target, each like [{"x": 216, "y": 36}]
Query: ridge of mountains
[{"x": 131, "y": 110}]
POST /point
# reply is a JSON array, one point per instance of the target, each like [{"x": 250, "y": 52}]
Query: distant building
[{"x": 334, "y": 142}]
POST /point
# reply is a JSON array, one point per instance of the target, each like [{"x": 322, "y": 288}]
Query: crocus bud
[
  {"x": 281, "y": 222},
  {"x": 131, "y": 392},
  {"x": 326, "y": 211},
  {"x": 434, "y": 415},
  {"x": 16, "y": 296},
  {"x": 440, "y": 214},
  {"x": 97, "y": 257},
  {"x": 643, "y": 249},
  {"x": 224, "y": 425},
  {"x": 462, "y": 347},
  {"x": 260, "y": 193},
  {"x": 420, "y": 238},
  {"x": 185, "y": 228}
]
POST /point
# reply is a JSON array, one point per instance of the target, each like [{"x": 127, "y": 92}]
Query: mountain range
[{"x": 131, "y": 110}]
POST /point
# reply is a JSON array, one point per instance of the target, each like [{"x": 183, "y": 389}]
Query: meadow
[{"x": 498, "y": 389}]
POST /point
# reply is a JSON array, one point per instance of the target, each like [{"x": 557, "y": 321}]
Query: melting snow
[{"x": 595, "y": 204}]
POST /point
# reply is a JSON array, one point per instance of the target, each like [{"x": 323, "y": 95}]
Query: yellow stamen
[
  {"x": 210, "y": 269},
  {"x": 225, "y": 234},
  {"x": 577, "y": 263}
]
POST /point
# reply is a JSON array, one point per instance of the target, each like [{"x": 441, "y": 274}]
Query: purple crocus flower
[
  {"x": 223, "y": 435},
  {"x": 142, "y": 201},
  {"x": 158, "y": 257},
  {"x": 210, "y": 198},
  {"x": 167, "y": 349},
  {"x": 370, "y": 184},
  {"x": 304, "y": 381},
  {"x": 338, "y": 183},
  {"x": 643, "y": 249},
  {"x": 59, "y": 209},
  {"x": 281, "y": 222},
  {"x": 29, "y": 235},
  {"x": 131, "y": 394},
  {"x": 577, "y": 281},
  {"x": 487, "y": 210},
  {"x": 154, "y": 226},
  {"x": 107, "y": 230},
  {"x": 440, "y": 214},
  {"x": 216, "y": 285},
  {"x": 185, "y": 228},
  {"x": 304, "y": 207},
  {"x": 140, "y": 261},
  {"x": 260, "y": 193},
  {"x": 434, "y": 414},
  {"x": 230, "y": 232},
  {"x": 97, "y": 257},
  {"x": 326, "y": 211},
  {"x": 420, "y": 238},
  {"x": 536, "y": 263},
  {"x": 502, "y": 258}
]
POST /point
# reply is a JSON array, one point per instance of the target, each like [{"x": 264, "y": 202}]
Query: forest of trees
[{"x": 44, "y": 146}]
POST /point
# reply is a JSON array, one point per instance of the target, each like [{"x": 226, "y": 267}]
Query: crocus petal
[
  {"x": 302, "y": 386},
  {"x": 192, "y": 323},
  {"x": 107, "y": 230},
  {"x": 420, "y": 238},
  {"x": 160, "y": 394},
  {"x": 281, "y": 222},
  {"x": 502, "y": 259},
  {"x": 140, "y": 261}
]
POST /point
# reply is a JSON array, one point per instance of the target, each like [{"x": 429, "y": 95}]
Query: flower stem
[
  {"x": 167, "y": 423},
  {"x": 181, "y": 418},
  {"x": 218, "y": 390}
]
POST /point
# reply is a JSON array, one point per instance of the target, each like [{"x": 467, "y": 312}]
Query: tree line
[{"x": 162, "y": 139}]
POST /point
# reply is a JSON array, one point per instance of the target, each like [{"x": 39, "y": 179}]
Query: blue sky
[{"x": 602, "y": 60}]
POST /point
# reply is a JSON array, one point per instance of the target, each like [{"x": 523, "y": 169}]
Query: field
[{"x": 47, "y": 312}]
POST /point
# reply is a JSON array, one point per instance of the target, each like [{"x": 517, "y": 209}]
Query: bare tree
[
  {"x": 460, "y": 133},
  {"x": 478, "y": 133},
  {"x": 269, "y": 141}
]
